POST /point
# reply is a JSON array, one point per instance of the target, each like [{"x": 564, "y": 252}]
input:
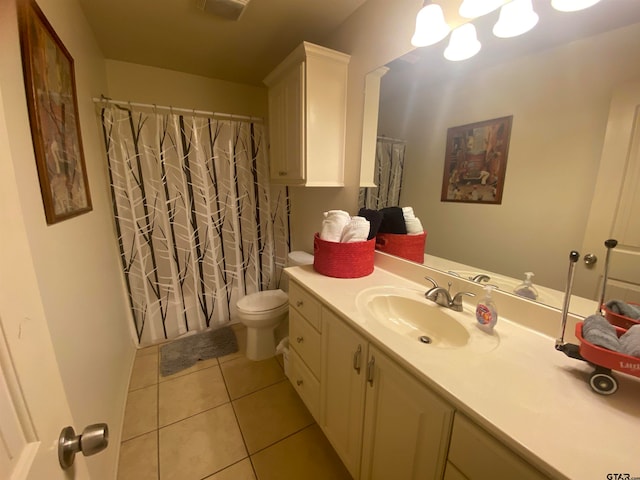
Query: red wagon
[
  {"x": 602, "y": 380},
  {"x": 603, "y": 360}
]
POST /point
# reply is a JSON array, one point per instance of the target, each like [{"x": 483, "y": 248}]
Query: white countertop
[{"x": 532, "y": 397}]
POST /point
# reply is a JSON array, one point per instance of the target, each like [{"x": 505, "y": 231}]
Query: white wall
[
  {"x": 376, "y": 33},
  {"x": 75, "y": 261},
  {"x": 140, "y": 83},
  {"x": 559, "y": 100}
]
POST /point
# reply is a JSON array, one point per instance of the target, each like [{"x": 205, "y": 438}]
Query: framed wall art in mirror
[
  {"x": 53, "y": 116},
  {"x": 476, "y": 161}
]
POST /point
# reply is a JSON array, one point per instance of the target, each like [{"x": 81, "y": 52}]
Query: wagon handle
[
  {"x": 610, "y": 244},
  {"x": 573, "y": 258}
]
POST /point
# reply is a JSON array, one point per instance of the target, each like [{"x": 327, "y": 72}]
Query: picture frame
[
  {"x": 50, "y": 88},
  {"x": 476, "y": 161}
]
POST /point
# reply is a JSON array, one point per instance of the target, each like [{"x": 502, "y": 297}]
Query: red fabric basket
[
  {"x": 410, "y": 247},
  {"x": 343, "y": 260}
]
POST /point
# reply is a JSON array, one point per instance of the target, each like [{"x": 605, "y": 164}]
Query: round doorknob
[
  {"x": 590, "y": 259},
  {"x": 93, "y": 439}
]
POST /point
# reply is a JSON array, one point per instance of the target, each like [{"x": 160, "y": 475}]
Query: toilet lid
[{"x": 263, "y": 301}]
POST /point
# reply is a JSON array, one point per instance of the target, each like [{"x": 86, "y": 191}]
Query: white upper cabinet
[{"x": 307, "y": 117}]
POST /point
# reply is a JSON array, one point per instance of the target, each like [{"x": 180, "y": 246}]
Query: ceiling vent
[{"x": 229, "y": 9}]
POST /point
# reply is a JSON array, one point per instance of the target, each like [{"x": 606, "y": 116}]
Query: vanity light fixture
[
  {"x": 572, "y": 5},
  {"x": 430, "y": 26},
  {"x": 478, "y": 8},
  {"x": 463, "y": 43},
  {"x": 516, "y": 18}
]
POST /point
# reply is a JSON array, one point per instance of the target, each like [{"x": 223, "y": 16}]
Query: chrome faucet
[
  {"x": 479, "y": 278},
  {"x": 442, "y": 296}
]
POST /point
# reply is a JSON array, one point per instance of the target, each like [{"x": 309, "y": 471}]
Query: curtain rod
[
  {"x": 390, "y": 139},
  {"x": 227, "y": 116}
]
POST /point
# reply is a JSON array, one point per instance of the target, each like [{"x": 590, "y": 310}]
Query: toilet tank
[{"x": 295, "y": 259}]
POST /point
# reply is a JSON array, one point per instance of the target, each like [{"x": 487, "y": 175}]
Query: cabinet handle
[
  {"x": 299, "y": 382},
  {"x": 299, "y": 339},
  {"x": 356, "y": 359},
  {"x": 299, "y": 303},
  {"x": 370, "y": 366},
  {"x": 282, "y": 174}
]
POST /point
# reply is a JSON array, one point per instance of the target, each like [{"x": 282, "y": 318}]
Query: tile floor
[{"x": 227, "y": 418}]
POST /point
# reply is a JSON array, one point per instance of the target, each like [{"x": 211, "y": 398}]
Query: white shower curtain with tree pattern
[{"x": 198, "y": 224}]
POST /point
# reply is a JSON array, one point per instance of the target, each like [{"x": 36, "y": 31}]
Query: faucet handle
[
  {"x": 456, "y": 302},
  {"x": 458, "y": 296},
  {"x": 435, "y": 284}
]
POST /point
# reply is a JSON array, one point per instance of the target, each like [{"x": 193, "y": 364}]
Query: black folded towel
[
  {"x": 375, "y": 219},
  {"x": 393, "y": 221}
]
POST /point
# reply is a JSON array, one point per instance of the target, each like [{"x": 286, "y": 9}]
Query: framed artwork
[
  {"x": 476, "y": 161},
  {"x": 53, "y": 114}
]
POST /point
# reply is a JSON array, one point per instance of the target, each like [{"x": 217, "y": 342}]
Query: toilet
[{"x": 263, "y": 312}]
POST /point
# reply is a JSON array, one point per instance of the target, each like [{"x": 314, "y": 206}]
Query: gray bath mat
[{"x": 185, "y": 352}]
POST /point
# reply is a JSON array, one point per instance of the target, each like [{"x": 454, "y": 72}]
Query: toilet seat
[{"x": 262, "y": 302}]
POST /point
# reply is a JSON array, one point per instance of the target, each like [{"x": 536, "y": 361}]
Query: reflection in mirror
[
  {"x": 387, "y": 175},
  {"x": 557, "y": 81}
]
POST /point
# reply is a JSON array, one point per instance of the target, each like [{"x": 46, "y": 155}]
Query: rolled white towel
[
  {"x": 333, "y": 224},
  {"x": 414, "y": 226},
  {"x": 407, "y": 212},
  {"x": 357, "y": 230}
]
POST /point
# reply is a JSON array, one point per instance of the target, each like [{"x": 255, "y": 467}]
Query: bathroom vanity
[{"x": 466, "y": 406}]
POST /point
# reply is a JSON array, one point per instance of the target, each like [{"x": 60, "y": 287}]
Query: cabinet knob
[
  {"x": 299, "y": 303},
  {"x": 299, "y": 382},
  {"x": 299, "y": 339},
  {"x": 282, "y": 174}
]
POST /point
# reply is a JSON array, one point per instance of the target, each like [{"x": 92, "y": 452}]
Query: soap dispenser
[
  {"x": 486, "y": 311},
  {"x": 526, "y": 288}
]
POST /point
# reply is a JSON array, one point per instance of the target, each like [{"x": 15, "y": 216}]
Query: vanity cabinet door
[
  {"x": 406, "y": 425},
  {"x": 344, "y": 354},
  {"x": 477, "y": 455}
]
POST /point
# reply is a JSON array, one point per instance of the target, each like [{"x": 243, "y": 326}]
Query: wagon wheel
[{"x": 603, "y": 382}]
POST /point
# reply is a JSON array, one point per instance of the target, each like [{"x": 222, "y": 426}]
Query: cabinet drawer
[
  {"x": 305, "y": 340},
  {"x": 306, "y": 304},
  {"x": 477, "y": 455},
  {"x": 305, "y": 384}
]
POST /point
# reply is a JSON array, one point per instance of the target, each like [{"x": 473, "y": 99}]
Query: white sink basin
[{"x": 406, "y": 312}]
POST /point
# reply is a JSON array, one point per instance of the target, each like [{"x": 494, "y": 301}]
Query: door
[
  {"x": 35, "y": 407},
  {"x": 615, "y": 209}
]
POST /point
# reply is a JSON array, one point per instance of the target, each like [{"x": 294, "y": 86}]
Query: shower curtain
[
  {"x": 197, "y": 222},
  {"x": 389, "y": 166}
]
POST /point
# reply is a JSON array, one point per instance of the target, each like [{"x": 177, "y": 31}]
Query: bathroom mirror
[{"x": 557, "y": 81}]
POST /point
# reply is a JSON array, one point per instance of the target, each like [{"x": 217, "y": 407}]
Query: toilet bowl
[{"x": 263, "y": 312}]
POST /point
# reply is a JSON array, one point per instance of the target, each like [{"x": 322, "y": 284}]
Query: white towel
[
  {"x": 414, "y": 226},
  {"x": 357, "y": 230},
  {"x": 333, "y": 224},
  {"x": 407, "y": 212}
]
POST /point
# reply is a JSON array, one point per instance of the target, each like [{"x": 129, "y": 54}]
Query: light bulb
[
  {"x": 430, "y": 26},
  {"x": 463, "y": 43},
  {"x": 515, "y": 19}
]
